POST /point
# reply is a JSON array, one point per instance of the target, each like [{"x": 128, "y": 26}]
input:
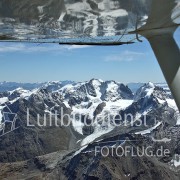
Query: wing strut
[
  {"x": 159, "y": 31},
  {"x": 168, "y": 55}
]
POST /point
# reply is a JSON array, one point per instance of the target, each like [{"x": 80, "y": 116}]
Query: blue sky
[{"x": 45, "y": 62}]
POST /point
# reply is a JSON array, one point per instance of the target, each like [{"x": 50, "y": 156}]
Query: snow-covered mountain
[
  {"x": 83, "y": 98},
  {"x": 135, "y": 86},
  {"x": 92, "y": 107},
  {"x": 94, "y": 99},
  {"x": 10, "y": 86}
]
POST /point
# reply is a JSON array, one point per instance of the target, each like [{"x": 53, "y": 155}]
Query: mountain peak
[
  {"x": 150, "y": 85},
  {"x": 96, "y": 80},
  {"x": 144, "y": 91}
]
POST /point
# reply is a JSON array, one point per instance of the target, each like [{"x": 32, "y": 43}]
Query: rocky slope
[{"x": 93, "y": 108}]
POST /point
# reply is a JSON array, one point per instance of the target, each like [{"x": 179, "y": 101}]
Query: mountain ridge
[{"x": 68, "y": 149}]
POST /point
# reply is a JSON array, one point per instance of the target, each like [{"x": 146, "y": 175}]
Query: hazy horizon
[{"x": 76, "y": 81}]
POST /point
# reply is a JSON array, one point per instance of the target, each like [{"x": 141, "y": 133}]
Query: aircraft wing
[{"x": 85, "y": 21}]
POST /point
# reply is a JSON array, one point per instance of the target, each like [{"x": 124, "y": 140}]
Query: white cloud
[
  {"x": 126, "y": 56},
  {"x": 77, "y": 47},
  {"x": 28, "y": 48}
]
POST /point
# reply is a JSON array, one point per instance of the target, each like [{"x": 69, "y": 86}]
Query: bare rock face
[
  {"x": 29, "y": 141},
  {"x": 99, "y": 109},
  {"x": 84, "y": 164},
  {"x": 117, "y": 168}
]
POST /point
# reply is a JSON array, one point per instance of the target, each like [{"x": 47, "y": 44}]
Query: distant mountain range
[
  {"x": 9, "y": 86},
  {"x": 94, "y": 99}
]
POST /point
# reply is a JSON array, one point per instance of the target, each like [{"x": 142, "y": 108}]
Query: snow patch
[
  {"x": 176, "y": 160},
  {"x": 40, "y": 9},
  {"x": 66, "y": 104},
  {"x": 3, "y": 100},
  {"x": 79, "y": 151},
  {"x": 114, "y": 107},
  {"x": 96, "y": 84},
  {"x": 150, "y": 89},
  {"x": 148, "y": 131},
  {"x": 112, "y": 91},
  {"x": 172, "y": 104},
  {"x": 97, "y": 133},
  {"x": 77, "y": 125},
  {"x": 1, "y": 116},
  {"x": 161, "y": 101}
]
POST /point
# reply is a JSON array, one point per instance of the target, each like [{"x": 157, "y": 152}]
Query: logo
[{"x": 9, "y": 121}]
